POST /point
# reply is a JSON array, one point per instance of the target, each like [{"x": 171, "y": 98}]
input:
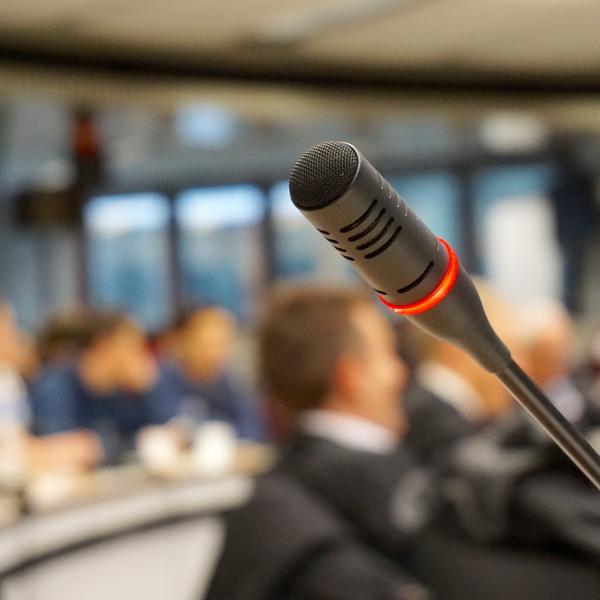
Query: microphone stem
[{"x": 570, "y": 440}]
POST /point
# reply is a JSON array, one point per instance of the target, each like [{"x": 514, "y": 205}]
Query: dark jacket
[
  {"x": 384, "y": 498},
  {"x": 434, "y": 426},
  {"x": 286, "y": 544}
]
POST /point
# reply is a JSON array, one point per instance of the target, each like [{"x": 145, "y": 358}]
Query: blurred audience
[
  {"x": 205, "y": 385},
  {"x": 105, "y": 394},
  {"x": 328, "y": 360},
  {"x": 451, "y": 396}
]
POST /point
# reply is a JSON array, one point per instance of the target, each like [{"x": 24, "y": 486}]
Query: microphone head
[{"x": 323, "y": 174}]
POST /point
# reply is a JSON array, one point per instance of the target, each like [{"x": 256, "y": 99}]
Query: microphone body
[
  {"x": 415, "y": 274},
  {"x": 371, "y": 227}
]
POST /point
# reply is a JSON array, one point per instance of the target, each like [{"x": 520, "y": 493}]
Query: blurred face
[
  {"x": 376, "y": 375},
  {"x": 207, "y": 344},
  {"x": 132, "y": 363}
]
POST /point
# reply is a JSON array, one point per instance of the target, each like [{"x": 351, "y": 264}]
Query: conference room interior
[{"x": 145, "y": 153}]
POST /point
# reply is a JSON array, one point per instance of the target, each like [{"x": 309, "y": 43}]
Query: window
[
  {"x": 515, "y": 222},
  {"x": 221, "y": 246},
  {"x": 128, "y": 255}
]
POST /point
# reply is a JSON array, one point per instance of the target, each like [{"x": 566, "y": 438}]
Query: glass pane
[
  {"x": 435, "y": 198},
  {"x": 128, "y": 255},
  {"x": 300, "y": 251},
  {"x": 221, "y": 246},
  {"x": 515, "y": 222}
]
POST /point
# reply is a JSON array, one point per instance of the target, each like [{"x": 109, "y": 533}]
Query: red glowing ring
[{"x": 440, "y": 292}]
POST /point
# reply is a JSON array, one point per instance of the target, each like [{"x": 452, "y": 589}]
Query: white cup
[
  {"x": 214, "y": 448},
  {"x": 157, "y": 449}
]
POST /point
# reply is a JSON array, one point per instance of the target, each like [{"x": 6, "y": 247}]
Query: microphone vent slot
[
  {"x": 356, "y": 223},
  {"x": 343, "y": 250},
  {"x": 347, "y": 257},
  {"x": 417, "y": 281},
  {"x": 376, "y": 238},
  {"x": 385, "y": 245},
  {"x": 368, "y": 228}
]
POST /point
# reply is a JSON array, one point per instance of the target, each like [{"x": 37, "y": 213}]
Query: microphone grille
[{"x": 322, "y": 174}]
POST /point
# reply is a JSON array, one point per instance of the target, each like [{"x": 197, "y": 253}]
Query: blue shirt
[
  {"x": 61, "y": 402},
  {"x": 222, "y": 399}
]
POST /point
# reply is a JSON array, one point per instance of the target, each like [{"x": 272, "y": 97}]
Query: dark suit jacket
[
  {"x": 434, "y": 427},
  {"x": 337, "y": 524},
  {"x": 384, "y": 498},
  {"x": 285, "y": 544}
]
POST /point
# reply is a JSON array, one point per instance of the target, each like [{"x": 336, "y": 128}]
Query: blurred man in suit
[{"x": 328, "y": 362}]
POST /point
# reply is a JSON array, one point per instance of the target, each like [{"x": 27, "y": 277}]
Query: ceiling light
[{"x": 299, "y": 24}]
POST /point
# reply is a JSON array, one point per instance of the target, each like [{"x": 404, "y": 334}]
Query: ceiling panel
[
  {"x": 483, "y": 33},
  {"x": 38, "y": 13},
  {"x": 565, "y": 39},
  {"x": 437, "y": 32},
  {"x": 447, "y": 36},
  {"x": 188, "y": 25}
]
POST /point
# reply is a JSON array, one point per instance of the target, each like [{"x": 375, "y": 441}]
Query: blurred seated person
[
  {"x": 106, "y": 394},
  {"x": 451, "y": 396},
  {"x": 205, "y": 384},
  {"x": 328, "y": 363}
]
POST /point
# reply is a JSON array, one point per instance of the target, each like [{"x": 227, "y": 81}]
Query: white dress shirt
[{"x": 349, "y": 431}]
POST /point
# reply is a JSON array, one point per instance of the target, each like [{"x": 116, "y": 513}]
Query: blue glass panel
[
  {"x": 221, "y": 247},
  {"x": 128, "y": 255}
]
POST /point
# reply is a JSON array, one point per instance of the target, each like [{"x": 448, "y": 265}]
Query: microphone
[{"x": 415, "y": 273}]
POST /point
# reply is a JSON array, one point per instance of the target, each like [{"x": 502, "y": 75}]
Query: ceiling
[{"x": 497, "y": 42}]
